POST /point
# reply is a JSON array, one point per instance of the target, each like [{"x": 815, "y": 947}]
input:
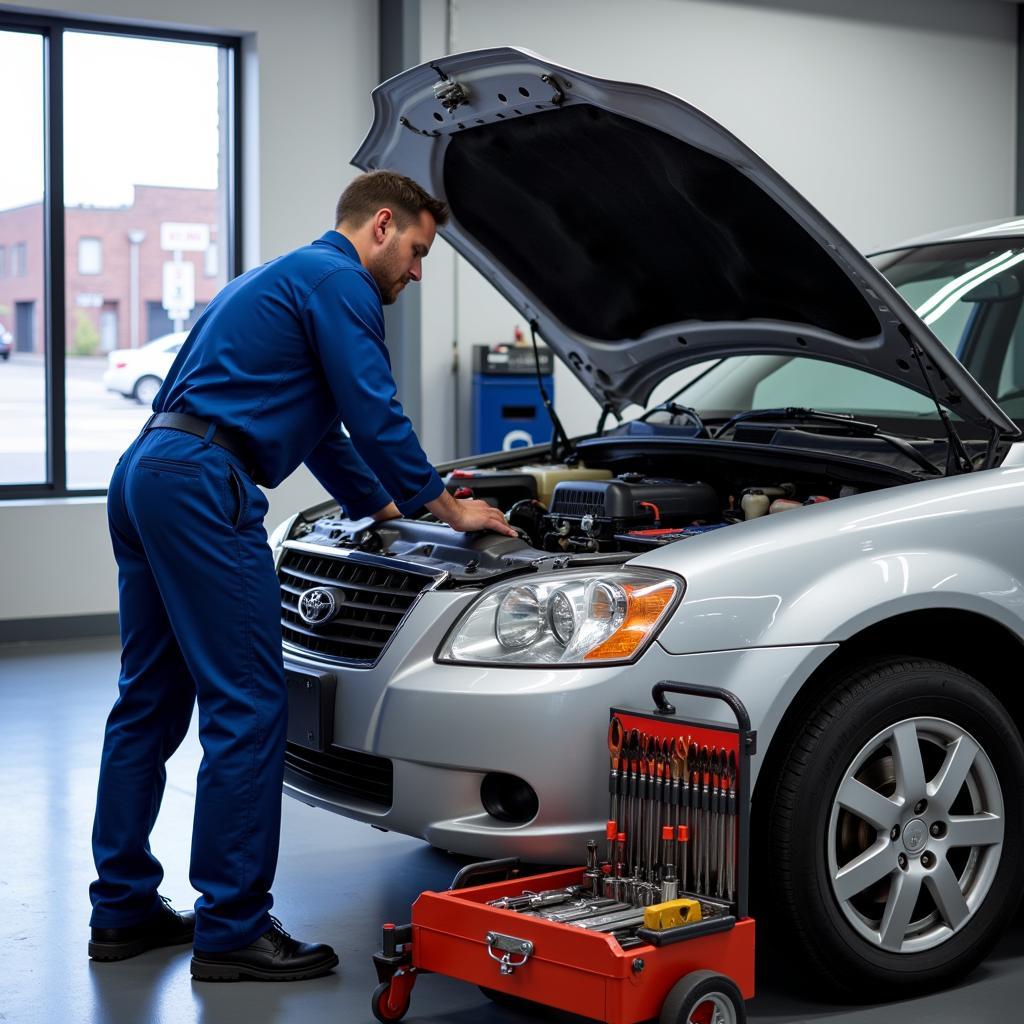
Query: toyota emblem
[{"x": 318, "y": 606}]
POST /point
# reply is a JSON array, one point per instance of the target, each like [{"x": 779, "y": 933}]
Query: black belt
[{"x": 200, "y": 428}]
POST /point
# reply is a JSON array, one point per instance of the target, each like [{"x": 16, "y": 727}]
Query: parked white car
[
  {"x": 825, "y": 517},
  {"x": 138, "y": 373}
]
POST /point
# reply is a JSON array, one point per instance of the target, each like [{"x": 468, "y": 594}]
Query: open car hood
[{"x": 639, "y": 234}]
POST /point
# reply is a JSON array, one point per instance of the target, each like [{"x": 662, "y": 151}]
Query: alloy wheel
[{"x": 915, "y": 834}]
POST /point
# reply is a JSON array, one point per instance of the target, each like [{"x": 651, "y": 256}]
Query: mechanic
[{"x": 280, "y": 360}]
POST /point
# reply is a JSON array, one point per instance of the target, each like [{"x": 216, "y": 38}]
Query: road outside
[{"x": 100, "y": 424}]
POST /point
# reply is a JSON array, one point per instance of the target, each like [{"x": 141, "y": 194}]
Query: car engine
[{"x": 575, "y": 513}]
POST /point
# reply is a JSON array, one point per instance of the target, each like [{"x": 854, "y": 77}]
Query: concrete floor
[{"x": 337, "y": 882}]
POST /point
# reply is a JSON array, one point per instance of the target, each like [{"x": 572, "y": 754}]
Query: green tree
[{"x": 87, "y": 336}]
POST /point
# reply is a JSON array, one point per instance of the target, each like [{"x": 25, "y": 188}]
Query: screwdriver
[
  {"x": 611, "y": 830},
  {"x": 617, "y": 888},
  {"x": 593, "y": 874},
  {"x": 731, "y": 839},
  {"x": 669, "y": 881},
  {"x": 713, "y": 822},
  {"x": 615, "y": 738},
  {"x": 692, "y": 810},
  {"x": 705, "y": 814},
  {"x": 634, "y": 771},
  {"x": 682, "y": 843}
]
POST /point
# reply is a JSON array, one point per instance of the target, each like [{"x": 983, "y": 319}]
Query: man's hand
[
  {"x": 389, "y": 511},
  {"x": 469, "y": 514}
]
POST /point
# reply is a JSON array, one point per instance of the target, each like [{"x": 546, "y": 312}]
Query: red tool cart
[{"x": 604, "y": 941}]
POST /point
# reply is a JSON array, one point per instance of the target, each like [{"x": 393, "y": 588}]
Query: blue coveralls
[{"x": 281, "y": 358}]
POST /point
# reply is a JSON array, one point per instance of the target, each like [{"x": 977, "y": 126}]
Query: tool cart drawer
[{"x": 587, "y": 973}]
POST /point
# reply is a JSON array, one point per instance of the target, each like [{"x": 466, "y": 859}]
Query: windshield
[{"x": 970, "y": 295}]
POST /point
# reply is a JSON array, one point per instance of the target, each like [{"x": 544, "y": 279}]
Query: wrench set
[
  {"x": 682, "y": 792},
  {"x": 614, "y": 904},
  {"x": 671, "y": 836}
]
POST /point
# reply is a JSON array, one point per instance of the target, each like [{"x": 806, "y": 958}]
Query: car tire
[
  {"x": 5, "y": 356},
  {"x": 146, "y": 388},
  {"x": 890, "y": 874}
]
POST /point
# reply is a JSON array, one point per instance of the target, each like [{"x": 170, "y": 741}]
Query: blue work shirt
[{"x": 286, "y": 354}]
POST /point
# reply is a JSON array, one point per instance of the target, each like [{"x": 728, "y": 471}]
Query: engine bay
[
  {"x": 609, "y": 502},
  {"x": 581, "y": 508}
]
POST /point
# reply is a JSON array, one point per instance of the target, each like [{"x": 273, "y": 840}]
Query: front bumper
[{"x": 444, "y": 727}]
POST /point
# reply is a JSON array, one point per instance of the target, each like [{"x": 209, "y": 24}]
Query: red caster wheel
[
  {"x": 383, "y": 1006},
  {"x": 704, "y": 997}
]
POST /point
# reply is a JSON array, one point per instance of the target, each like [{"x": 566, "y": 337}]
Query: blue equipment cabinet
[{"x": 508, "y": 411}]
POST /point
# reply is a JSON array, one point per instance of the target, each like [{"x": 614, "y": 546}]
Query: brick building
[{"x": 101, "y": 287}]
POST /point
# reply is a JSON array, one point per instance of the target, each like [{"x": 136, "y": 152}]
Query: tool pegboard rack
[{"x": 539, "y": 939}]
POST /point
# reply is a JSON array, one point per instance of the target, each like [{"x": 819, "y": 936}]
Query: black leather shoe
[
  {"x": 166, "y": 927},
  {"x": 274, "y": 956}
]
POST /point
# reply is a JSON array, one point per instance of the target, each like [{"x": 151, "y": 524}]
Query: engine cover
[{"x": 602, "y": 508}]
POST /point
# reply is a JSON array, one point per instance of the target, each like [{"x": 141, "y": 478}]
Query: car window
[
  {"x": 828, "y": 386},
  {"x": 807, "y": 381},
  {"x": 950, "y": 324},
  {"x": 970, "y": 295},
  {"x": 1011, "y": 372}
]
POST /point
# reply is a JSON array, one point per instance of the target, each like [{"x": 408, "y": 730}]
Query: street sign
[
  {"x": 175, "y": 237},
  {"x": 179, "y": 288}
]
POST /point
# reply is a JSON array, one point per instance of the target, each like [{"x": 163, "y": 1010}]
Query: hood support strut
[
  {"x": 561, "y": 446},
  {"x": 957, "y": 459}
]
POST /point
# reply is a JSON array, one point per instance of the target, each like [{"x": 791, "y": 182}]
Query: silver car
[{"x": 820, "y": 509}]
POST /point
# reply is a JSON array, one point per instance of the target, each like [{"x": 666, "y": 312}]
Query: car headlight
[
  {"x": 586, "y": 618},
  {"x": 280, "y": 534}
]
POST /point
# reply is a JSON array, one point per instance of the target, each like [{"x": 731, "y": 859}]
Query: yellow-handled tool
[{"x": 672, "y": 914}]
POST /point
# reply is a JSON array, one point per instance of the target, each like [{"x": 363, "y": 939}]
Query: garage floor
[{"x": 337, "y": 882}]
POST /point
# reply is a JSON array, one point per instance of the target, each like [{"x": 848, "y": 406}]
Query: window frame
[{"x": 51, "y": 29}]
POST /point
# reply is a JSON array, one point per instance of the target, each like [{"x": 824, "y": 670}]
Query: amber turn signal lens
[{"x": 644, "y": 607}]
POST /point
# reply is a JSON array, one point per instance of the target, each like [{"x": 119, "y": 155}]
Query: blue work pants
[{"x": 200, "y": 623}]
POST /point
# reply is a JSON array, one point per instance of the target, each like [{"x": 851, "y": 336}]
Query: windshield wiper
[
  {"x": 854, "y": 428},
  {"x": 859, "y": 428},
  {"x": 675, "y": 409}
]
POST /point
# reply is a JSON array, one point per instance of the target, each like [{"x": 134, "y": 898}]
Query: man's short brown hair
[{"x": 371, "y": 192}]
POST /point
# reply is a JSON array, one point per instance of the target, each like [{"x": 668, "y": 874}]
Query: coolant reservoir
[
  {"x": 548, "y": 476},
  {"x": 755, "y": 504}
]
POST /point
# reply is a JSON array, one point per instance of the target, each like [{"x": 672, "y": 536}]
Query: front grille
[
  {"x": 376, "y": 600},
  {"x": 349, "y": 773}
]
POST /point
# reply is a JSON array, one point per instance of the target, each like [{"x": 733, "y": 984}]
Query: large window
[
  {"x": 121, "y": 158},
  {"x": 90, "y": 255}
]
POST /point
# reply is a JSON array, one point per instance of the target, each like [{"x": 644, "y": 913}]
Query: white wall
[
  {"x": 315, "y": 62},
  {"x": 894, "y": 117}
]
